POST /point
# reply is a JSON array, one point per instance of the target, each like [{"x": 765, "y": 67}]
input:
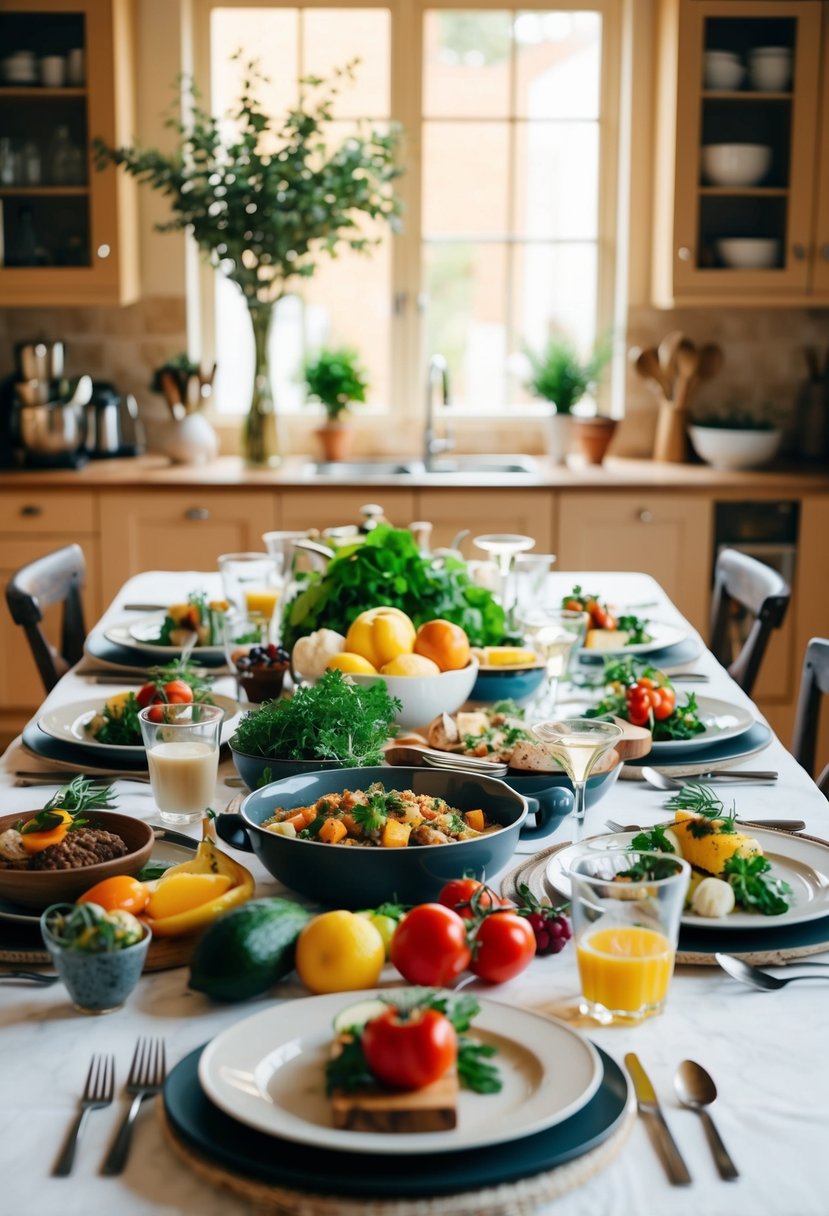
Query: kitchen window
[{"x": 509, "y": 189}]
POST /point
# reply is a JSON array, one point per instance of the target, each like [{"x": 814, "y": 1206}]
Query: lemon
[
  {"x": 410, "y": 665},
  {"x": 116, "y": 704},
  {"x": 339, "y": 952},
  {"x": 352, "y": 664},
  {"x": 380, "y": 635},
  {"x": 509, "y": 656}
]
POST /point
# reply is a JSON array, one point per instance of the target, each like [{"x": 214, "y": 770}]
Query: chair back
[
  {"x": 814, "y": 683},
  {"x": 56, "y": 578},
  {"x": 761, "y": 591}
]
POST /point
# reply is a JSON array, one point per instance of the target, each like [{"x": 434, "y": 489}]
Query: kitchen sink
[{"x": 511, "y": 466}]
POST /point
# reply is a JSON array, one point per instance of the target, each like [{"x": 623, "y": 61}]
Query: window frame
[{"x": 524, "y": 424}]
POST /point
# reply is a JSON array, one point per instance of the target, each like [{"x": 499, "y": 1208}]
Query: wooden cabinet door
[
  {"x": 809, "y": 615},
  {"x": 820, "y": 281},
  {"x": 323, "y": 508},
  {"x": 178, "y": 530},
  {"x": 665, "y": 535},
  {"x": 526, "y": 512}
]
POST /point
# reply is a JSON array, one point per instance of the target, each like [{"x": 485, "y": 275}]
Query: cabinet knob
[
  {"x": 684, "y": 253},
  {"x": 197, "y": 514},
  {"x": 646, "y": 516},
  {"x": 798, "y": 251},
  {"x": 824, "y": 252},
  {"x": 104, "y": 251},
  {"x": 31, "y": 510}
]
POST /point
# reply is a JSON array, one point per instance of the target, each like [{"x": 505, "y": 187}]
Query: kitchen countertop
[{"x": 153, "y": 472}]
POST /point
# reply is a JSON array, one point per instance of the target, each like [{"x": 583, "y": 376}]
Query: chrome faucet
[{"x": 438, "y": 372}]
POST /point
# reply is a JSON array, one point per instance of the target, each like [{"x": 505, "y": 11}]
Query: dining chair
[
  {"x": 56, "y": 578},
  {"x": 743, "y": 582},
  {"x": 814, "y": 683}
]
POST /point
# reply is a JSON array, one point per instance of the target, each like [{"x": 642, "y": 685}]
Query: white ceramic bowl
[
  {"x": 722, "y": 70},
  {"x": 749, "y": 253},
  {"x": 734, "y": 449},
  {"x": 771, "y": 73},
  {"x": 736, "y": 164},
  {"x": 424, "y": 697}
]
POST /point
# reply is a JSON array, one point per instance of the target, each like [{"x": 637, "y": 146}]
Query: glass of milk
[{"x": 182, "y": 743}]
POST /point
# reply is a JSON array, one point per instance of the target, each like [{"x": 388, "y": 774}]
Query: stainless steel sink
[{"x": 511, "y": 466}]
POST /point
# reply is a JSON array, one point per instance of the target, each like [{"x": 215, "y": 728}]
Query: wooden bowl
[{"x": 37, "y": 889}]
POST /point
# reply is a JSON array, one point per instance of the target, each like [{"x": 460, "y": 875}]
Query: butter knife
[{"x": 650, "y": 1109}]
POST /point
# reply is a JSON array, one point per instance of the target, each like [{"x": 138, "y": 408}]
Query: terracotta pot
[
  {"x": 336, "y": 439},
  {"x": 593, "y": 436}
]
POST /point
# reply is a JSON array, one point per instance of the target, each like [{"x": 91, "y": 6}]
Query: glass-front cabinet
[
  {"x": 742, "y": 200},
  {"x": 66, "y": 230}
]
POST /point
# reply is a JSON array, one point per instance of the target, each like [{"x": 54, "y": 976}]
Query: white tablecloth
[{"x": 767, "y": 1051}]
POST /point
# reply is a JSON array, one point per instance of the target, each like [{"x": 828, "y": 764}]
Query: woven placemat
[
  {"x": 519, "y": 1198},
  {"x": 532, "y": 873},
  {"x": 163, "y": 955}
]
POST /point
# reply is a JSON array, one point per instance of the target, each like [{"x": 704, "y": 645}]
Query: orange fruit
[
  {"x": 410, "y": 665},
  {"x": 444, "y": 643},
  {"x": 120, "y": 891}
]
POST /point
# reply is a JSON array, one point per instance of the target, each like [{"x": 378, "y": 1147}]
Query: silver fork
[
  {"x": 147, "y": 1072},
  {"x": 98, "y": 1091}
]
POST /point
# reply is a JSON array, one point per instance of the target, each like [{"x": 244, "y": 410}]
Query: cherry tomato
[
  {"x": 645, "y": 682},
  {"x": 147, "y": 695},
  {"x": 178, "y": 693},
  {"x": 600, "y": 616},
  {"x": 156, "y": 712},
  {"x": 638, "y": 715},
  {"x": 505, "y": 945},
  {"x": 666, "y": 706},
  {"x": 410, "y": 1051},
  {"x": 429, "y": 945},
  {"x": 459, "y": 891},
  {"x": 119, "y": 891}
]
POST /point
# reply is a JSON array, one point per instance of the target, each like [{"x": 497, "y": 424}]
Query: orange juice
[
  {"x": 625, "y": 968},
  {"x": 262, "y": 601}
]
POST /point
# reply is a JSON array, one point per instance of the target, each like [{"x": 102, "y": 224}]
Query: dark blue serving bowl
[
  {"x": 506, "y": 684},
  {"x": 364, "y": 877},
  {"x": 261, "y": 770},
  {"x": 544, "y": 791}
]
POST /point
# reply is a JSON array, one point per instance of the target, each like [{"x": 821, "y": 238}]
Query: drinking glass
[
  {"x": 578, "y": 744},
  {"x": 503, "y": 547},
  {"x": 252, "y": 581},
  {"x": 182, "y": 743},
  {"x": 554, "y": 634},
  {"x": 529, "y": 576},
  {"x": 626, "y": 909}
]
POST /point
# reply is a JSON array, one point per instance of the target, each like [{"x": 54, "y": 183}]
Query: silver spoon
[
  {"x": 762, "y": 980},
  {"x": 661, "y": 782},
  {"x": 696, "y": 1090}
]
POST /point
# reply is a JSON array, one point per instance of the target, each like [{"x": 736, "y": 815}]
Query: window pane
[
  {"x": 466, "y": 63},
  {"x": 465, "y": 184},
  {"x": 270, "y": 35},
  {"x": 466, "y": 319},
  {"x": 334, "y": 37},
  {"x": 556, "y": 180},
  {"x": 558, "y": 65}
]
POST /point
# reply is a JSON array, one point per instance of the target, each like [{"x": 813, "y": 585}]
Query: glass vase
[{"x": 261, "y": 435}]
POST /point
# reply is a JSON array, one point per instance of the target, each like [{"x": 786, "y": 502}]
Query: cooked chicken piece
[{"x": 424, "y": 834}]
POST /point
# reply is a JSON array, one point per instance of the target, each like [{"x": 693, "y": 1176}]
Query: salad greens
[
  {"x": 333, "y": 719},
  {"x": 388, "y": 568}
]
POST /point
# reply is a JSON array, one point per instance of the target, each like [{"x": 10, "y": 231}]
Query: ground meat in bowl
[{"x": 84, "y": 847}]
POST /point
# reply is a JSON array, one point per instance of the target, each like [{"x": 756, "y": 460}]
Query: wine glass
[
  {"x": 578, "y": 744},
  {"x": 503, "y": 547},
  {"x": 182, "y": 743},
  {"x": 554, "y": 634}
]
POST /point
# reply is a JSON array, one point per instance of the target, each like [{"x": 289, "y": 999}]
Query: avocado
[{"x": 248, "y": 950}]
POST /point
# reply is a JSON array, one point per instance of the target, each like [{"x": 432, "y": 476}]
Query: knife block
[{"x": 671, "y": 441}]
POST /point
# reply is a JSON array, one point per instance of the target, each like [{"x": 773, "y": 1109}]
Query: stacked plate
[{"x": 253, "y": 1102}]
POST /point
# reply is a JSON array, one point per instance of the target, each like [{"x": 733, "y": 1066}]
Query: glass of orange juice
[
  {"x": 626, "y": 909},
  {"x": 252, "y": 581}
]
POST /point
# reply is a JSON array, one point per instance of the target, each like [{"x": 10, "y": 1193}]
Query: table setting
[{"x": 182, "y": 1100}]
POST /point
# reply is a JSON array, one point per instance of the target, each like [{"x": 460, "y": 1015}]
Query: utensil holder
[{"x": 671, "y": 441}]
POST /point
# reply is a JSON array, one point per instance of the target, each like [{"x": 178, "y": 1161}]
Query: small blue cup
[{"x": 97, "y": 983}]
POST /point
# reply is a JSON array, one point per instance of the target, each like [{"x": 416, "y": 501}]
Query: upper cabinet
[
  {"x": 68, "y": 233},
  {"x": 742, "y": 161}
]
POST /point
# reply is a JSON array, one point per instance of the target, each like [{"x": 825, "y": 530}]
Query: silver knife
[{"x": 649, "y": 1107}]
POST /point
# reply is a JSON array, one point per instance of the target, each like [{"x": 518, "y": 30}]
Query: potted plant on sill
[
  {"x": 336, "y": 379},
  {"x": 266, "y": 200},
  {"x": 559, "y": 375},
  {"x": 736, "y": 438}
]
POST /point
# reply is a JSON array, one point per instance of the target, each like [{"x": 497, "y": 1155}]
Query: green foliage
[
  {"x": 336, "y": 379},
  {"x": 265, "y": 199},
  {"x": 733, "y": 418},
  {"x": 561, "y": 376}
]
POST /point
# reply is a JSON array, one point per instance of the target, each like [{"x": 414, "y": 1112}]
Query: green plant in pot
[
  {"x": 266, "y": 200},
  {"x": 336, "y": 379},
  {"x": 560, "y": 375}
]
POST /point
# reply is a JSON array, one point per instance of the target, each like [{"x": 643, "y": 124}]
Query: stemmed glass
[
  {"x": 578, "y": 744},
  {"x": 554, "y": 634},
  {"x": 503, "y": 547}
]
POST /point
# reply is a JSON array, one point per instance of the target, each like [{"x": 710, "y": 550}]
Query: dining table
[{"x": 768, "y": 1052}]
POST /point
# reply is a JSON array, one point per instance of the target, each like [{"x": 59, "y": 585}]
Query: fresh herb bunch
[
  {"x": 648, "y": 869},
  {"x": 121, "y": 728},
  {"x": 701, "y": 800},
  {"x": 388, "y": 568},
  {"x": 349, "y": 1071},
  {"x": 654, "y": 840},
  {"x": 81, "y": 794},
  {"x": 635, "y": 628},
  {"x": 331, "y": 720},
  {"x": 755, "y": 887},
  {"x": 336, "y": 379}
]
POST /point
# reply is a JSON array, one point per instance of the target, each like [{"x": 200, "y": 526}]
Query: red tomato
[
  {"x": 602, "y": 619},
  {"x": 429, "y": 945},
  {"x": 147, "y": 695},
  {"x": 505, "y": 946},
  {"x": 666, "y": 706},
  {"x": 178, "y": 693},
  {"x": 156, "y": 713},
  {"x": 461, "y": 890},
  {"x": 410, "y": 1052}
]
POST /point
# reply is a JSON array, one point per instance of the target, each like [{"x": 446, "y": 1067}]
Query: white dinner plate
[
  {"x": 662, "y": 635},
  {"x": 136, "y": 634},
  {"x": 722, "y": 720},
  {"x": 803, "y": 864},
  {"x": 268, "y": 1071},
  {"x": 67, "y": 722}
]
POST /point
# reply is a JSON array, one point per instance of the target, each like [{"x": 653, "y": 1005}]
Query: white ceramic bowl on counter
[
  {"x": 749, "y": 253},
  {"x": 724, "y": 448},
  {"x": 736, "y": 164}
]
